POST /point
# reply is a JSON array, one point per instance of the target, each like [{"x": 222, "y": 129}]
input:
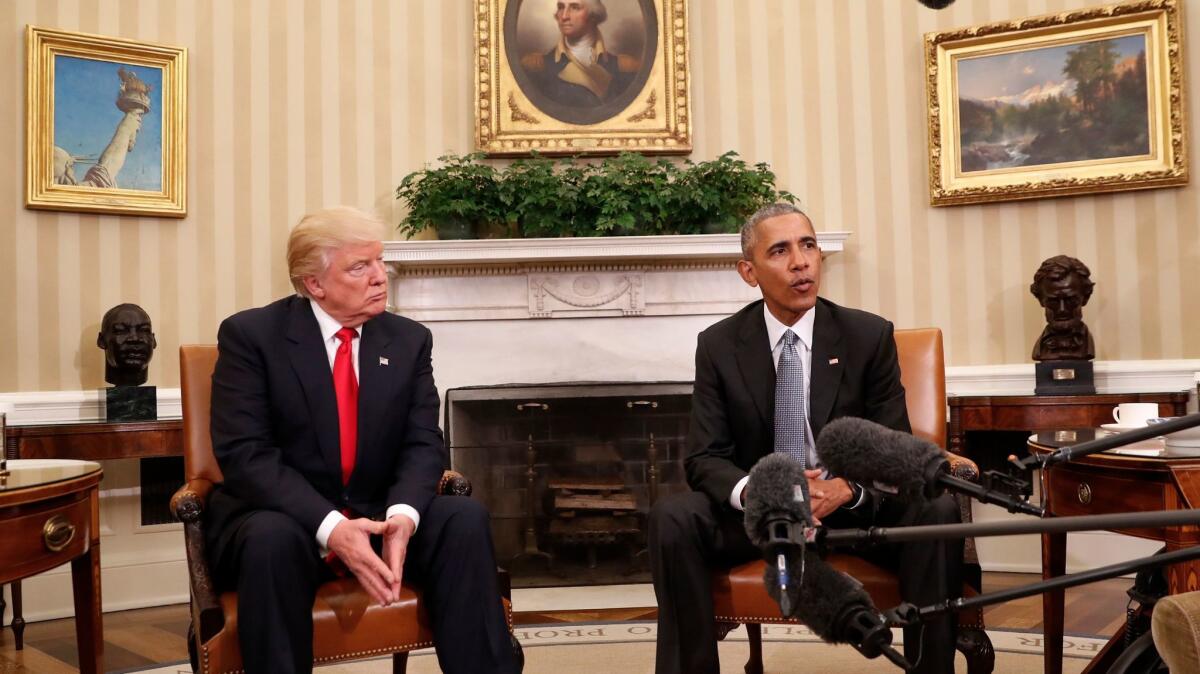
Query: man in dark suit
[
  {"x": 325, "y": 425},
  {"x": 768, "y": 379}
]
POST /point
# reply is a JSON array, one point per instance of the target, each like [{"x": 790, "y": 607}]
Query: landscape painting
[
  {"x": 1067, "y": 103},
  {"x": 1057, "y": 105}
]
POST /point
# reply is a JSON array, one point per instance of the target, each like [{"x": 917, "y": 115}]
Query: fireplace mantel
[
  {"x": 650, "y": 250},
  {"x": 513, "y": 279}
]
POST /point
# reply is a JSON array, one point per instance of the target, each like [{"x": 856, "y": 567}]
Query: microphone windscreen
[
  {"x": 936, "y": 4},
  {"x": 771, "y": 493},
  {"x": 820, "y": 596},
  {"x": 871, "y": 454}
]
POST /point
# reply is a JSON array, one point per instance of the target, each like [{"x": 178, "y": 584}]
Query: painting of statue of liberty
[
  {"x": 1075, "y": 102},
  {"x": 107, "y": 124}
]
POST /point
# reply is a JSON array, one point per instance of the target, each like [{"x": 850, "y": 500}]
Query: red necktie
[{"x": 345, "y": 385}]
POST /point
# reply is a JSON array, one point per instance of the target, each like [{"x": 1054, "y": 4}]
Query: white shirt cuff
[
  {"x": 331, "y": 520},
  {"x": 406, "y": 510},
  {"x": 862, "y": 496},
  {"x": 735, "y": 499}
]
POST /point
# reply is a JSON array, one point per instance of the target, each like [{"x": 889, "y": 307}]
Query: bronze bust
[
  {"x": 1063, "y": 285},
  {"x": 128, "y": 343}
]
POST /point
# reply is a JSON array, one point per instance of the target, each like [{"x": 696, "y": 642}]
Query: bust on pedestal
[
  {"x": 1064, "y": 351},
  {"x": 128, "y": 342}
]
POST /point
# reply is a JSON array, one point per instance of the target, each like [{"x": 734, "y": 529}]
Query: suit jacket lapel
[
  {"x": 827, "y": 359},
  {"x": 310, "y": 361},
  {"x": 374, "y": 384},
  {"x": 757, "y": 368}
]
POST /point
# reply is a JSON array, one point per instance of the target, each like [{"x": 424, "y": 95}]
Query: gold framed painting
[
  {"x": 1072, "y": 103},
  {"x": 105, "y": 127},
  {"x": 582, "y": 77}
]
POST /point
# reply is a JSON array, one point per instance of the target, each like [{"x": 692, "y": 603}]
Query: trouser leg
[{"x": 452, "y": 560}]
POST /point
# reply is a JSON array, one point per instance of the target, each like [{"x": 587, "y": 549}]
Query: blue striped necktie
[{"x": 790, "y": 403}]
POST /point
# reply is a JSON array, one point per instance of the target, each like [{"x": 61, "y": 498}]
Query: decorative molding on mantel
[
  {"x": 1122, "y": 376},
  {"x": 660, "y": 249}
]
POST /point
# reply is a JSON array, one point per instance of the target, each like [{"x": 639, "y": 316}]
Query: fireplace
[{"x": 568, "y": 472}]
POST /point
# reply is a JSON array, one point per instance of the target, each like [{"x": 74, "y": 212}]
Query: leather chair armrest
[
  {"x": 962, "y": 467},
  {"x": 187, "y": 505},
  {"x": 454, "y": 483}
]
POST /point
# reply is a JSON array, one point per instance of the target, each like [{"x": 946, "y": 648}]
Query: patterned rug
[{"x": 628, "y": 648}]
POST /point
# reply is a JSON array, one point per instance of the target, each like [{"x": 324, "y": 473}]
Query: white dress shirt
[
  {"x": 329, "y": 328},
  {"x": 804, "y": 333}
]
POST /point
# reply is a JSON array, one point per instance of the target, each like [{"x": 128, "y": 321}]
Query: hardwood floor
[{"x": 145, "y": 637}]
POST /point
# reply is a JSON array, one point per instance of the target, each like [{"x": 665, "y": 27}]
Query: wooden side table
[
  {"x": 96, "y": 441},
  {"x": 91, "y": 441},
  {"x": 50, "y": 515},
  {"x": 1046, "y": 413},
  {"x": 1109, "y": 483}
]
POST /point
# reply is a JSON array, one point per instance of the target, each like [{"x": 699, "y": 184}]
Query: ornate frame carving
[
  {"x": 100, "y": 192},
  {"x": 1165, "y": 165},
  {"x": 508, "y": 122}
]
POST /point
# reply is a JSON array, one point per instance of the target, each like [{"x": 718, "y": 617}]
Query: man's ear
[
  {"x": 100, "y": 339},
  {"x": 746, "y": 271},
  {"x": 313, "y": 285}
]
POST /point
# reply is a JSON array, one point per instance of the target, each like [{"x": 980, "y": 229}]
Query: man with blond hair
[{"x": 325, "y": 425}]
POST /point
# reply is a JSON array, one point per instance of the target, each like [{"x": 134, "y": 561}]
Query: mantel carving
[{"x": 507, "y": 279}]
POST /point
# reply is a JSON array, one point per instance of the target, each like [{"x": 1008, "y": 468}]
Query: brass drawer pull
[
  {"x": 1084, "y": 493},
  {"x": 57, "y": 533}
]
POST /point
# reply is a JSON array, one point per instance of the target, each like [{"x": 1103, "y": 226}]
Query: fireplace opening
[{"x": 569, "y": 471}]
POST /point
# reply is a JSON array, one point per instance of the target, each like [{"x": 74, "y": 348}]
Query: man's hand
[
  {"x": 826, "y": 496},
  {"x": 399, "y": 529},
  {"x": 350, "y": 540}
]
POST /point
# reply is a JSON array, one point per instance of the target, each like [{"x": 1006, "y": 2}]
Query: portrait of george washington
[{"x": 581, "y": 61}]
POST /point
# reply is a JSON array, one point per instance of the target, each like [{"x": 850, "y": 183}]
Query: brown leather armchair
[
  {"x": 346, "y": 624},
  {"x": 739, "y": 595}
]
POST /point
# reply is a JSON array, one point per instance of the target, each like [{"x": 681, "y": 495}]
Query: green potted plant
[
  {"x": 461, "y": 199},
  {"x": 624, "y": 195}
]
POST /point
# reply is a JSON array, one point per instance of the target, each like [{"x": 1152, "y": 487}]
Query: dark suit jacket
[
  {"x": 854, "y": 373},
  {"x": 275, "y": 421}
]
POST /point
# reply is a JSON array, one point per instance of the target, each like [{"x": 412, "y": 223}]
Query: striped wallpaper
[{"x": 298, "y": 104}]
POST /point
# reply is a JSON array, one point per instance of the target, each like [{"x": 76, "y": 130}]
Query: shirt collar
[
  {"x": 563, "y": 50},
  {"x": 328, "y": 324},
  {"x": 803, "y": 327}
]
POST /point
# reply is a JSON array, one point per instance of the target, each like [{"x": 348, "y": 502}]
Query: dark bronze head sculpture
[
  {"x": 128, "y": 343},
  {"x": 1062, "y": 285}
]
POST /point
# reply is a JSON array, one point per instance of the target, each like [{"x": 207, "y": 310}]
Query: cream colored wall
[{"x": 294, "y": 105}]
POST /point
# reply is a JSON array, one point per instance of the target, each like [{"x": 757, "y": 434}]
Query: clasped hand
[
  {"x": 826, "y": 496},
  {"x": 350, "y": 540}
]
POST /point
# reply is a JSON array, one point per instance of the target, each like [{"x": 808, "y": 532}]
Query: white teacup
[{"x": 1135, "y": 414}]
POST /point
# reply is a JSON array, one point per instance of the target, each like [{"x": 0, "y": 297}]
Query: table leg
[
  {"x": 18, "y": 620},
  {"x": 1054, "y": 563},
  {"x": 85, "y": 577}
]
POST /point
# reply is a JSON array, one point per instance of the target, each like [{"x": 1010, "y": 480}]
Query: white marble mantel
[{"x": 508, "y": 279}]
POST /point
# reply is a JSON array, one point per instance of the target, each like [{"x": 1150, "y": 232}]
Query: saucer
[
  {"x": 1118, "y": 428},
  {"x": 1176, "y": 450},
  {"x": 1190, "y": 443}
]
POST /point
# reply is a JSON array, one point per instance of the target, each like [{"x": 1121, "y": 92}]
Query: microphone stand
[
  {"x": 1106, "y": 443},
  {"x": 907, "y": 614},
  {"x": 826, "y": 538}
]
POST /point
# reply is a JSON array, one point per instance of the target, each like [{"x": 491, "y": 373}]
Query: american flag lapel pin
[
  {"x": 833, "y": 361},
  {"x": 383, "y": 361}
]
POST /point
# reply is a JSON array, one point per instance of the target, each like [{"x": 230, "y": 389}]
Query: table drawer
[
  {"x": 37, "y": 539},
  {"x": 1081, "y": 492}
]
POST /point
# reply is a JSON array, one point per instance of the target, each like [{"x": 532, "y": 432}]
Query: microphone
[
  {"x": 776, "y": 511},
  {"x": 893, "y": 461},
  {"x": 833, "y": 605},
  {"x": 936, "y": 4}
]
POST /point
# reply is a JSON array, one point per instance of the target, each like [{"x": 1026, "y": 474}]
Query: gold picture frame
[
  {"x": 105, "y": 126},
  {"x": 1072, "y": 103},
  {"x": 632, "y": 92}
]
